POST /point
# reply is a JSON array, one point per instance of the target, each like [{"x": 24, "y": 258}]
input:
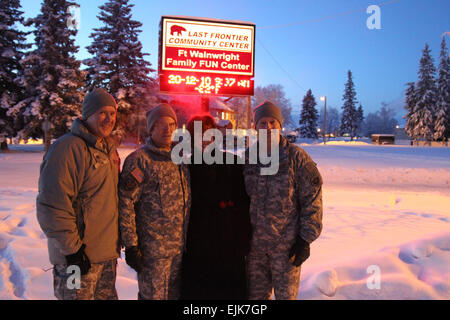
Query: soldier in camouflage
[
  {"x": 154, "y": 197},
  {"x": 286, "y": 214}
]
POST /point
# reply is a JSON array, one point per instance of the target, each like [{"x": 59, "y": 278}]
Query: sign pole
[
  {"x": 249, "y": 113},
  {"x": 46, "y": 127},
  {"x": 325, "y": 122},
  {"x": 205, "y": 104},
  {"x": 138, "y": 118}
]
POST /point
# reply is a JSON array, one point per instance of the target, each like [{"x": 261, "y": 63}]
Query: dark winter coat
[
  {"x": 219, "y": 234},
  {"x": 77, "y": 199}
]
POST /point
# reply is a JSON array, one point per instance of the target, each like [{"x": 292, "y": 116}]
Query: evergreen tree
[
  {"x": 51, "y": 75},
  {"x": 118, "y": 63},
  {"x": 349, "y": 113},
  {"x": 359, "y": 119},
  {"x": 12, "y": 47},
  {"x": 425, "y": 95},
  {"x": 441, "y": 125},
  {"x": 411, "y": 119},
  {"x": 308, "y": 117}
]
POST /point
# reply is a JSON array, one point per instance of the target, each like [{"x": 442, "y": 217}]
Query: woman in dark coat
[{"x": 219, "y": 230}]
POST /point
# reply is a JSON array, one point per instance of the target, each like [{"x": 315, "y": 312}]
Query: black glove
[
  {"x": 300, "y": 250},
  {"x": 133, "y": 257},
  {"x": 79, "y": 259}
]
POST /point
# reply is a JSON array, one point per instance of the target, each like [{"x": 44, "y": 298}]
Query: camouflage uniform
[
  {"x": 283, "y": 206},
  {"x": 98, "y": 284},
  {"x": 154, "y": 198}
]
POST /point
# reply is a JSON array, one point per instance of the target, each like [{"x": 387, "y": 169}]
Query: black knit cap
[
  {"x": 267, "y": 109},
  {"x": 161, "y": 110},
  {"x": 96, "y": 99}
]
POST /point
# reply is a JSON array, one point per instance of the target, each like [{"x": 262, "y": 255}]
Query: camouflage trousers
[
  {"x": 269, "y": 271},
  {"x": 160, "y": 279},
  {"x": 98, "y": 284}
]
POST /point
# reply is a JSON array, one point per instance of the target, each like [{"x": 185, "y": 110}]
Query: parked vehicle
[{"x": 383, "y": 139}]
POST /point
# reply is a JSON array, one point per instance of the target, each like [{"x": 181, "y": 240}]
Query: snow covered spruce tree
[
  {"x": 51, "y": 74},
  {"x": 308, "y": 117},
  {"x": 118, "y": 63},
  {"x": 425, "y": 95},
  {"x": 349, "y": 121},
  {"x": 12, "y": 47},
  {"x": 410, "y": 106},
  {"x": 442, "y": 122}
]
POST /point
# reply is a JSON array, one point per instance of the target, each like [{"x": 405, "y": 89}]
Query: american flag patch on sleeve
[{"x": 138, "y": 175}]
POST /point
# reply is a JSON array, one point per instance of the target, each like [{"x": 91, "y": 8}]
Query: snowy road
[{"x": 386, "y": 207}]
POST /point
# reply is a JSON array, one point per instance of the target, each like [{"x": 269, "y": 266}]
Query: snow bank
[
  {"x": 344, "y": 143},
  {"x": 415, "y": 270},
  {"x": 386, "y": 177},
  {"x": 25, "y": 270}
]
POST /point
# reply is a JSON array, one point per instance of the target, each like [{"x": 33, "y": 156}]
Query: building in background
[
  {"x": 219, "y": 110},
  {"x": 400, "y": 134}
]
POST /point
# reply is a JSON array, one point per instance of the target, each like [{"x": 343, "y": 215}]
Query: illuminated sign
[{"x": 199, "y": 56}]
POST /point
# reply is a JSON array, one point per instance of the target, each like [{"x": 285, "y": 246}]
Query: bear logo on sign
[{"x": 176, "y": 30}]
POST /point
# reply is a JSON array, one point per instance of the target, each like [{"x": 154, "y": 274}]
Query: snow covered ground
[{"x": 386, "y": 228}]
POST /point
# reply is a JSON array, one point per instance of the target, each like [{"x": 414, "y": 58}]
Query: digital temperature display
[{"x": 186, "y": 83}]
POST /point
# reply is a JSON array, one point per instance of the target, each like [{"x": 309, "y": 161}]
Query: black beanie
[
  {"x": 161, "y": 110},
  {"x": 96, "y": 99},
  {"x": 268, "y": 109}
]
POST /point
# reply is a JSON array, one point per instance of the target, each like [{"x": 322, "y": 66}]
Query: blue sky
[{"x": 309, "y": 44}]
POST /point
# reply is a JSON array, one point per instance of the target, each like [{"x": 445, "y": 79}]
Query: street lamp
[{"x": 324, "y": 98}]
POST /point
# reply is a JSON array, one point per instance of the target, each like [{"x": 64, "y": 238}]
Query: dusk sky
[{"x": 309, "y": 44}]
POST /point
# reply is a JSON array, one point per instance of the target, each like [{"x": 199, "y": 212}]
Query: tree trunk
[{"x": 4, "y": 145}]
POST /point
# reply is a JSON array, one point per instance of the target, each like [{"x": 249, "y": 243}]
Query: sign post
[
  {"x": 46, "y": 127},
  {"x": 249, "y": 113},
  {"x": 205, "y": 104},
  {"x": 206, "y": 57}
]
